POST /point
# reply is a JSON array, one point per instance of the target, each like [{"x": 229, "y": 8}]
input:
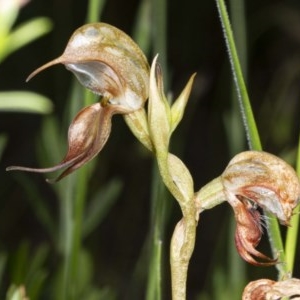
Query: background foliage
[{"x": 110, "y": 200}]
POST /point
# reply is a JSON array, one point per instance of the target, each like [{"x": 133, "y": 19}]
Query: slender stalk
[
  {"x": 159, "y": 15},
  {"x": 159, "y": 197},
  {"x": 143, "y": 26},
  {"x": 210, "y": 195},
  {"x": 250, "y": 126},
  {"x": 236, "y": 137},
  {"x": 66, "y": 212},
  {"x": 241, "y": 90},
  {"x": 182, "y": 247},
  {"x": 177, "y": 179},
  {"x": 94, "y": 12},
  {"x": 292, "y": 232},
  {"x": 80, "y": 195},
  {"x": 158, "y": 211},
  {"x": 184, "y": 236}
]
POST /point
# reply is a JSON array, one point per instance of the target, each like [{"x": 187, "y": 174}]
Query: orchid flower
[
  {"x": 253, "y": 180},
  {"x": 107, "y": 61}
]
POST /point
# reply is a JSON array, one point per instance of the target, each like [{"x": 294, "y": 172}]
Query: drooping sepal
[{"x": 87, "y": 135}]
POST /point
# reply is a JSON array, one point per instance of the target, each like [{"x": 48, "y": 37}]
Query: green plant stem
[
  {"x": 159, "y": 14},
  {"x": 94, "y": 12},
  {"x": 184, "y": 236},
  {"x": 210, "y": 195},
  {"x": 66, "y": 211},
  {"x": 180, "y": 256},
  {"x": 159, "y": 202},
  {"x": 158, "y": 212},
  {"x": 250, "y": 127},
  {"x": 80, "y": 195},
  {"x": 72, "y": 218},
  {"x": 143, "y": 26},
  {"x": 241, "y": 90},
  {"x": 293, "y": 231}
]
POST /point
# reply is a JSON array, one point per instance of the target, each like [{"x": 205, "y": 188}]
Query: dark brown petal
[{"x": 248, "y": 234}]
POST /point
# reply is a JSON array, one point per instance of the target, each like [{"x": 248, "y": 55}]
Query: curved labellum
[
  {"x": 87, "y": 135},
  {"x": 253, "y": 179},
  {"x": 108, "y": 62},
  {"x": 248, "y": 234}
]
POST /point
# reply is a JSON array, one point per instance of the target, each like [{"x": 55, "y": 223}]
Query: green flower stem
[
  {"x": 277, "y": 246},
  {"x": 158, "y": 211},
  {"x": 180, "y": 253},
  {"x": 182, "y": 247},
  {"x": 293, "y": 231},
  {"x": 159, "y": 33},
  {"x": 183, "y": 241},
  {"x": 177, "y": 179},
  {"x": 250, "y": 127}
]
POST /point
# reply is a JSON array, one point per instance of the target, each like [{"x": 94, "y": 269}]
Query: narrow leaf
[{"x": 25, "y": 102}]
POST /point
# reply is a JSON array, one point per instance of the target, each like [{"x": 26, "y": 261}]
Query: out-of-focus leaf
[
  {"x": 38, "y": 260},
  {"x": 28, "y": 268},
  {"x": 36, "y": 284},
  {"x": 3, "y": 140},
  {"x": 100, "y": 205},
  {"x": 19, "y": 262},
  {"x": 3, "y": 260},
  {"x": 105, "y": 293},
  {"x": 8, "y": 13},
  {"x": 39, "y": 207},
  {"x": 26, "y": 33},
  {"x": 27, "y": 102}
]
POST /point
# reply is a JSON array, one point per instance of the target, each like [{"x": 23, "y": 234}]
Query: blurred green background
[{"x": 105, "y": 211}]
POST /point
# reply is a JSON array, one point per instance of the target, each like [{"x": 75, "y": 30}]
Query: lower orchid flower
[{"x": 253, "y": 180}]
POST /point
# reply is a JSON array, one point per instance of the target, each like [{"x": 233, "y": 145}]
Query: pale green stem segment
[
  {"x": 154, "y": 130},
  {"x": 180, "y": 184},
  {"x": 177, "y": 179},
  {"x": 293, "y": 230},
  {"x": 251, "y": 129},
  {"x": 210, "y": 195}
]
